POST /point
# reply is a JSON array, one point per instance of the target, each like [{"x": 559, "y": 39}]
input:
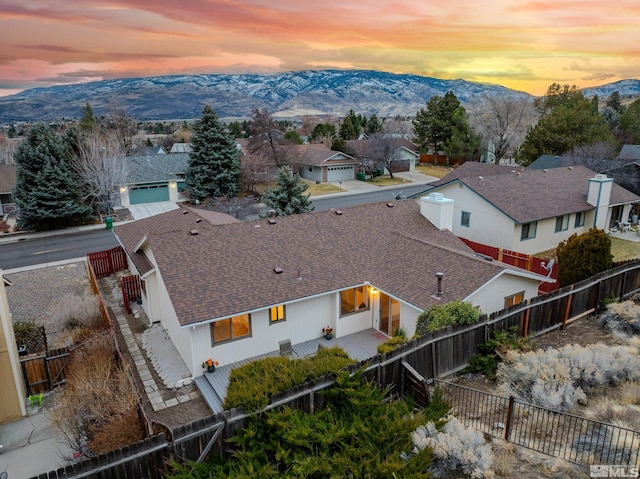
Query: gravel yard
[{"x": 37, "y": 294}]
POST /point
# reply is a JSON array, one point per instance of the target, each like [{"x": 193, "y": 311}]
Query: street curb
[
  {"x": 26, "y": 235},
  {"x": 43, "y": 265}
]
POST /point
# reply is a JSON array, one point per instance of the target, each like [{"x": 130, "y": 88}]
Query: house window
[
  {"x": 310, "y": 169},
  {"x": 562, "y": 223},
  {"x": 579, "y": 219},
  {"x": 514, "y": 299},
  {"x": 276, "y": 314},
  {"x": 354, "y": 300},
  {"x": 528, "y": 230},
  {"x": 231, "y": 328},
  {"x": 464, "y": 221}
]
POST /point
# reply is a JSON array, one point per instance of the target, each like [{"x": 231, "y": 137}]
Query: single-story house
[
  {"x": 318, "y": 163},
  {"x": 180, "y": 148},
  {"x": 7, "y": 182},
  {"x": 529, "y": 210},
  {"x": 153, "y": 178},
  {"x": 629, "y": 153},
  {"x": 403, "y": 154},
  {"x": 235, "y": 291}
]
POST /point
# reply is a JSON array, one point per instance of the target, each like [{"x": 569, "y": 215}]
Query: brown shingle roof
[
  {"x": 229, "y": 269},
  {"x": 528, "y": 195},
  {"x": 7, "y": 178},
  {"x": 317, "y": 154}
]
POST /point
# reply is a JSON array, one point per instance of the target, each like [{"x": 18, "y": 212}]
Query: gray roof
[
  {"x": 629, "y": 152},
  {"x": 7, "y": 178},
  {"x": 228, "y": 269},
  {"x": 531, "y": 195},
  {"x": 550, "y": 161},
  {"x": 156, "y": 168}
]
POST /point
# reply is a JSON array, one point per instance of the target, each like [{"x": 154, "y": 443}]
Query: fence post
[
  {"x": 507, "y": 427},
  {"x": 567, "y": 310}
]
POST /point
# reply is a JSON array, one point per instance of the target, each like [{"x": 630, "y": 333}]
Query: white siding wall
[
  {"x": 409, "y": 318},
  {"x": 487, "y": 225},
  {"x": 490, "y": 298},
  {"x": 314, "y": 175}
]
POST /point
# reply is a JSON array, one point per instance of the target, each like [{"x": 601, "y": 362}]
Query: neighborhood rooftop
[
  {"x": 527, "y": 195},
  {"x": 225, "y": 270}
]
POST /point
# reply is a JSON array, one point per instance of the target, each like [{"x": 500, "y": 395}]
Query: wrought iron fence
[{"x": 566, "y": 436}]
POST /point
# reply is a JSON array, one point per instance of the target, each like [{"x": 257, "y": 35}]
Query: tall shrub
[
  {"x": 442, "y": 315},
  {"x": 582, "y": 256}
]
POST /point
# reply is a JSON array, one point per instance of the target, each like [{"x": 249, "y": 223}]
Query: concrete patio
[{"x": 359, "y": 346}]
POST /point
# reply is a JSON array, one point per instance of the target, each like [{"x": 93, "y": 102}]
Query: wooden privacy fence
[
  {"x": 43, "y": 372},
  {"x": 573, "y": 438},
  {"x": 96, "y": 289},
  {"x": 106, "y": 263},
  {"x": 130, "y": 286},
  {"x": 405, "y": 370}
]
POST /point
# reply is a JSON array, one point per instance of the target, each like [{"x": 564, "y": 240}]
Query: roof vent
[
  {"x": 480, "y": 178},
  {"x": 439, "y": 276},
  {"x": 199, "y": 220},
  {"x": 571, "y": 167},
  {"x": 390, "y": 205},
  {"x": 339, "y": 212},
  {"x": 272, "y": 213},
  {"x": 545, "y": 170},
  {"x": 518, "y": 173},
  {"x": 272, "y": 221},
  {"x": 193, "y": 232},
  {"x": 185, "y": 212},
  {"x": 277, "y": 270},
  {"x": 257, "y": 226}
]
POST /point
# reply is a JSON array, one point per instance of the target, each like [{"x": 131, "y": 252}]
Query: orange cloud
[{"x": 524, "y": 45}]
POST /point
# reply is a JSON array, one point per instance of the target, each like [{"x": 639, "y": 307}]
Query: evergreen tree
[
  {"x": 46, "y": 192},
  {"x": 630, "y": 124},
  {"x": 582, "y": 256},
  {"x": 288, "y": 197},
  {"x": 214, "y": 164},
  {"x": 373, "y": 125},
  {"x": 88, "y": 121}
]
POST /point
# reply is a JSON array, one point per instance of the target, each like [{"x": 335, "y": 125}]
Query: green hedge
[{"x": 251, "y": 385}]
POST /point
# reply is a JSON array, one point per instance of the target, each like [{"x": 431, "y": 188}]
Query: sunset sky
[{"x": 525, "y": 45}]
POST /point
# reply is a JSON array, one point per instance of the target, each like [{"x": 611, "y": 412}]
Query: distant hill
[
  {"x": 290, "y": 94},
  {"x": 286, "y": 95}
]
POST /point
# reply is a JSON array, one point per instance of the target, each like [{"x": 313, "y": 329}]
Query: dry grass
[
  {"x": 434, "y": 170},
  {"x": 322, "y": 189},
  {"x": 98, "y": 397},
  {"x": 623, "y": 250},
  {"x": 630, "y": 394},
  {"x": 387, "y": 181}
]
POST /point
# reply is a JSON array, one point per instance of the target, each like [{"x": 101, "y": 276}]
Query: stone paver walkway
[{"x": 151, "y": 388}]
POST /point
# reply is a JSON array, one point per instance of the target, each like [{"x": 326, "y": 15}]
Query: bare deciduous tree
[
  {"x": 266, "y": 138},
  {"x": 595, "y": 156},
  {"x": 8, "y": 148},
  {"x": 503, "y": 122},
  {"x": 375, "y": 153},
  {"x": 99, "y": 162}
]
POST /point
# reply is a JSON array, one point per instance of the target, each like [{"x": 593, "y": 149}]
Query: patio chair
[{"x": 285, "y": 348}]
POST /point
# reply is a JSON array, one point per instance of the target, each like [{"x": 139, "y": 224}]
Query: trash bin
[
  {"x": 109, "y": 222},
  {"x": 361, "y": 176}
]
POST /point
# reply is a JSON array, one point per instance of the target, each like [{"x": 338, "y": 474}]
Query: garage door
[
  {"x": 340, "y": 173},
  {"x": 148, "y": 194}
]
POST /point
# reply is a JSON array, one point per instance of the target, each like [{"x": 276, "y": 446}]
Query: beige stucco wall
[{"x": 12, "y": 391}]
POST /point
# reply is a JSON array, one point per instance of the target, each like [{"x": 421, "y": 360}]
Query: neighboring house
[
  {"x": 625, "y": 169},
  {"x": 403, "y": 154},
  {"x": 12, "y": 391},
  {"x": 235, "y": 291},
  {"x": 153, "y": 178},
  {"x": 149, "y": 151},
  {"x": 318, "y": 163},
  {"x": 180, "y": 148},
  {"x": 7, "y": 182},
  {"x": 528, "y": 210}
]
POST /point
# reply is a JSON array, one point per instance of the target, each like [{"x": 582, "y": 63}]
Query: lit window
[
  {"x": 231, "y": 328},
  {"x": 579, "y": 219},
  {"x": 354, "y": 300},
  {"x": 466, "y": 217},
  {"x": 514, "y": 299},
  {"x": 276, "y": 314},
  {"x": 528, "y": 230},
  {"x": 562, "y": 223}
]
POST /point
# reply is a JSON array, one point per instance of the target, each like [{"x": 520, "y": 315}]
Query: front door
[{"x": 389, "y": 314}]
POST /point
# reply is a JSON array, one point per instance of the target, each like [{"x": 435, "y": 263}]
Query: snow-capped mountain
[
  {"x": 290, "y": 94},
  {"x": 285, "y": 95}
]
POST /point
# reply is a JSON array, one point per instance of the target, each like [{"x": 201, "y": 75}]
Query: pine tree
[
  {"x": 288, "y": 197},
  {"x": 214, "y": 164},
  {"x": 46, "y": 192},
  {"x": 88, "y": 121}
]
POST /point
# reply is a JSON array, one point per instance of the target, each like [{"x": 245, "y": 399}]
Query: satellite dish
[{"x": 549, "y": 267}]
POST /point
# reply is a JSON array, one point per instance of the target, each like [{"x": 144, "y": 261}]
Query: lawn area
[
  {"x": 434, "y": 170},
  {"x": 322, "y": 189},
  {"x": 623, "y": 250},
  {"x": 387, "y": 181}
]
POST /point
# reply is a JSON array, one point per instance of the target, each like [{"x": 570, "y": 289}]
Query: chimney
[
  {"x": 599, "y": 196},
  {"x": 439, "y": 290},
  {"x": 438, "y": 210}
]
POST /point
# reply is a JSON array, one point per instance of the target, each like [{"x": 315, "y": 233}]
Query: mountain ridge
[{"x": 287, "y": 94}]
